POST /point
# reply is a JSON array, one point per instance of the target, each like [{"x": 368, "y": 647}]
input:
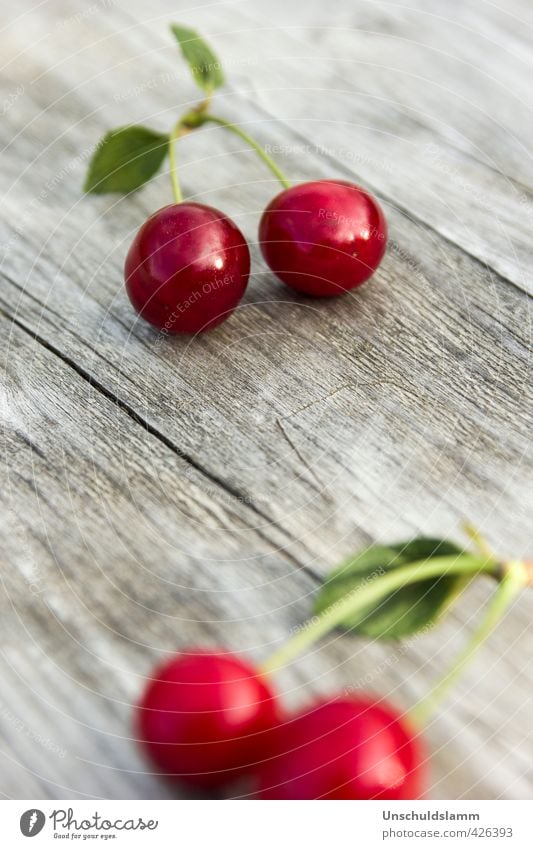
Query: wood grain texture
[{"x": 160, "y": 492}]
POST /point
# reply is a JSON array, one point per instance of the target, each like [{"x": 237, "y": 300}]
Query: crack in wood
[{"x": 145, "y": 425}]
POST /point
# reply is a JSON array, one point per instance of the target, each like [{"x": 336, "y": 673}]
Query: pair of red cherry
[
  {"x": 189, "y": 264},
  {"x": 208, "y": 717}
]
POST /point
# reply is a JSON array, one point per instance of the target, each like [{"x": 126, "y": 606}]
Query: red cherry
[
  {"x": 347, "y": 748},
  {"x": 187, "y": 268},
  {"x": 323, "y": 238},
  {"x": 205, "y": 717}
]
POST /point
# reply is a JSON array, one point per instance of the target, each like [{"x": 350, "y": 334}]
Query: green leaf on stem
[
  {"x": 204, "y": 65},
  {"x": 125, "y": 159},
  {"x": 406, "y": 611}
]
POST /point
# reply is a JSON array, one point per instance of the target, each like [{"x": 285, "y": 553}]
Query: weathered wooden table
[{"x": 165, "y": 492}]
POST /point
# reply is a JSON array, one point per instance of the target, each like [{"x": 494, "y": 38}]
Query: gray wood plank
[{"x": 173, "y": 492}]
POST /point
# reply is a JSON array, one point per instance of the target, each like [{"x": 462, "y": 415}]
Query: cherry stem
[
  {"x": 199, "y": 116},
  {"x": 178, "y": 131},
  {"x": 514, "y": 579},
  {"x": 354, "y": 602},
  {"x": 478, "y": 539},
  {"x": 261, "y": 152}
]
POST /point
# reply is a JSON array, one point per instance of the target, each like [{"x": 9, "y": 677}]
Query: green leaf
[
  {"x": 203, "y": 63},
  {"x": 125, "y": 159},
  {"x": 406, "y": 611}
]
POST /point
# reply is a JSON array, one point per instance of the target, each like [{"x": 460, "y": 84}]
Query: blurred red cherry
[
  {"x": 346, "y": 748},
  {"x": 205, "y": 717}
]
